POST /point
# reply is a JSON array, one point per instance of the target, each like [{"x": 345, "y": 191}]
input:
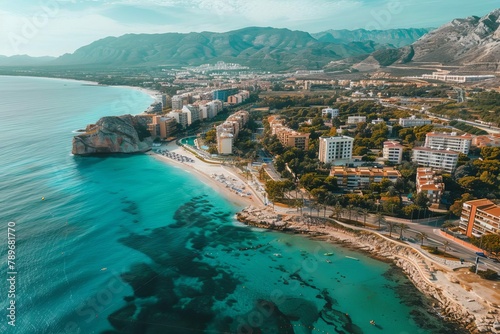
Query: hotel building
[
  {"x": 440, "y": 159},
  {"x": 362, "y": 177},
  {"x": 336, "y": 150},
  {"x": 479, "y": 217},
  {"x": 430, "y": 183},
  {"x": 448, "y": 141},
  {"x": 392, "y": 151}
]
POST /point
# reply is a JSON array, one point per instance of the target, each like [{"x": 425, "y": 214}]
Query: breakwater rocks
[
  {"x": 113, "y": 134},
  {"x": 451, "y": 301}
]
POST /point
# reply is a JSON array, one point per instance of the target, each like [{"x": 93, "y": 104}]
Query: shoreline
[
  {"x": 454, "y": 301},
  {"x": 204, "y": 171}
]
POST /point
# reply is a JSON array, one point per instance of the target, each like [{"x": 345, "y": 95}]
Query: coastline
[
  {"x": 203, "y": 171},
  {"x": 455, "y": 301}
]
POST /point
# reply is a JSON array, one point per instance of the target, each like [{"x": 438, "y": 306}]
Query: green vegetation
[
  {"x": 467, "y": 128},
  {"x": 488, "y": 274}
]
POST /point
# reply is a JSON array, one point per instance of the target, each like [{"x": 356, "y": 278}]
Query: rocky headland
[
  {"x": 452, "y": 301},
  {"x": 113, "y": 134}
]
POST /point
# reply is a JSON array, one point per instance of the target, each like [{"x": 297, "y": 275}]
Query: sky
[{"x": 55, "y": 27}]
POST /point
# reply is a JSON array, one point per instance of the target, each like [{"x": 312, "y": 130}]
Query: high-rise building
[
  {"x": 193, "y": 113},
  {"x": 392, "y": 151},
  {"x": 180, "y": 116},
  {"x": 445, "y": 160},
  {"x": 448, "y": 141},
  {"x": 479, "y": 217},
  {"x": 177, "y": 102},
  {"x": 336, "y": 150}
]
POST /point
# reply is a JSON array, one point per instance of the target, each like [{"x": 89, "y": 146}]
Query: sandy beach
[{"x": 219, "y": 177}]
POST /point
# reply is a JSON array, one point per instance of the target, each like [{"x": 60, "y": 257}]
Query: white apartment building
[
  {"x": 225, "y": 143},
  {"x": 180, "y": 116},
  {"x": 445, "y": 160},
  {"x": 392, "y": 151},
  {"x": 336, "y": 150},
  {"x": 356, "y": 119},
  {"x": 413, "y": 121},
  {"x": 177, "y": 102},
  {"x": 448, "y": 141},
  {"x": 193, "y": 113},
  {"x": 330, "y": 112}
]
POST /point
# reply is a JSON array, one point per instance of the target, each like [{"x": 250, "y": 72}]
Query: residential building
[
  {"x": 446, "y": 76},
  {"x": 356, "y": 119},
  {"x": 413, "y": 121},
  {"x": 491, "y": 140},
  {"x": 193, "y": 113},
  {"x": 392, "y": 151},
  {"x": 225, "y": 143},
  {"x": 430, "y": 183},
  {"x": 445, "y": 160},
  {"x": 177, "y": 102},
  {"x": 336, "y": 150},
  {"x": 223, "y": 94},
  {"x": 378, "y": 121},
  {"x": 228, "y": 131},
  {"x": 448, "y": 141},
  {"x": 329, "y": 112},
  {"x": 480, "y": 217},
  {"x": 239, "y": 97},
  {"x": 180, "y": 116},
  {"x": 287, "y": 136},
  {"x": 362, "y": 177}
]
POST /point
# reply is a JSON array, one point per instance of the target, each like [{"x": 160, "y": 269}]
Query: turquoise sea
[{"x": 128, "y": 244}]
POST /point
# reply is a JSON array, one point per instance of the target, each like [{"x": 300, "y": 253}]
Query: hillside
[
  {"x": 266, "y": 48},
  {"x": 471, "y": 45},
  {"x": 24, "y": 60},
  {"x": 394, "y": 37}
]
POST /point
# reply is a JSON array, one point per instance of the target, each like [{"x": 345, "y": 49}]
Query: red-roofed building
[
  {"x": 429, "y": 182},
  {"x": 479, "y": 217}
]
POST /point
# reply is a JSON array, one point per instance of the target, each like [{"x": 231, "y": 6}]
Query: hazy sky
[{"x": 54, "y": 27}]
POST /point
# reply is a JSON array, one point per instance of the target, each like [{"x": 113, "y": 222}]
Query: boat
[
  {"x": 277, "y": 254},
  {"x": 352, "y": 258},
  {"x": 372, "y": 322},
  {"x": 103, "y": 269},
  {"x": 328, "y": 254},
  {"x": 328, "y": 261}
]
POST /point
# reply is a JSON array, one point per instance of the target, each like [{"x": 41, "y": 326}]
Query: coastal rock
[{"x": 113, "y": 134}]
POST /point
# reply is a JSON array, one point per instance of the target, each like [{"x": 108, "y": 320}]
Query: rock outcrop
[{"x": 113, "y": 134}]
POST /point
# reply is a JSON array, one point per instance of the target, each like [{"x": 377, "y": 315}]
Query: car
[
  {"x": 481, "y": 254},
  {"x": 496, "y": 260}
]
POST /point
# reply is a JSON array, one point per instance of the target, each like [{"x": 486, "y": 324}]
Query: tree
[
  {"x": 338, "y": 210},
  {"x": 421, "y": 200},
  {"x": 364, "y": 213},
  {"x": 456, "y": 207},
  {"x": 391, "y": 226},
  {"x": 380, "y": 219},
  {"x": 421, "y": 236},
  {"x": 402, "y": 227},
  {"x": 350, "y": 208}
]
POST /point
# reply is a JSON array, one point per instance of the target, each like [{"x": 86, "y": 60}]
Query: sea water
[{"x": 129, "y": 244}]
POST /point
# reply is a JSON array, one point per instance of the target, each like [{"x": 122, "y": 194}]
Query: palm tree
[
  {"x": 402, "y": 228},
  {"x": 355, "y": 213},
  {"x": 421, "y": 236},
  {"x": 380, "y": 219},
  {"x": 349, "y": 210},
  {"x": 338, "y": 210},
  {"x": 391, "y": 226},
  {"x": 324, "y": 212},
  {"x": 364, "y": 213}
]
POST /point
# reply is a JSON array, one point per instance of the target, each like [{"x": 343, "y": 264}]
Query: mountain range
[
  {"x": 470, "y": 45},
  {"x": 265, "y": 48}
]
